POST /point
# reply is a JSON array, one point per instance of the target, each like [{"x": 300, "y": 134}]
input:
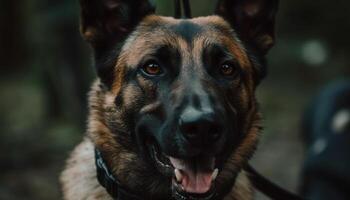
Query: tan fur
[
  {"x": 80, "y": 183},
  {"x": 79, "y": 178}
]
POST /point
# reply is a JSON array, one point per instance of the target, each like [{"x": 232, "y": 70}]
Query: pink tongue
[{"x": 196, "y": 181}]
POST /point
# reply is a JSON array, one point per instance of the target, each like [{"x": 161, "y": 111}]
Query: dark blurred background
[{"x": 46, "y": 72}]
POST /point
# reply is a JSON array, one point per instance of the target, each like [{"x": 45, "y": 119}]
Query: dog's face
[
  {"x": 195, "y": 87},
  {"x": 179, "y": 93}
]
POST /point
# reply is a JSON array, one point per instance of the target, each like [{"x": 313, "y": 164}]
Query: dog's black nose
[{"x": 199, "y": 127}]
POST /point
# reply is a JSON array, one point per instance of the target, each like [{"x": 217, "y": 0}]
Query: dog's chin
[{"x": 191, "y": 177}]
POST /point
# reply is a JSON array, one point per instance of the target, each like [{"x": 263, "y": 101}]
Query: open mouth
[{"x": 193, "y": 177}]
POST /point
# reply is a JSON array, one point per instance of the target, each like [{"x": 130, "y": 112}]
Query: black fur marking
[
  {"x": 187, "y": 30},
  {"x": 169, "y": 60},
  {"x": 214, "y": 56},
  {"x": 119, "y": 100},
  {"x": 105, "y": 62},
  {"x": 196, "y": 102}
]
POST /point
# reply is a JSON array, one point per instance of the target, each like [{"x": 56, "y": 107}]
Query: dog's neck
[
  {"x": 118, "y": 192},
  {"x": 110, "y": 182}
]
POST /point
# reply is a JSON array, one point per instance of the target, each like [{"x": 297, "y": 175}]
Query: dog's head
[{"x": 176, "y": 106}]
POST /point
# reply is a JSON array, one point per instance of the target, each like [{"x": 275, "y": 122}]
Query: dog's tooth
[
  {"x": 178, "y": 175},
  {"x": 215, "y": 174}
]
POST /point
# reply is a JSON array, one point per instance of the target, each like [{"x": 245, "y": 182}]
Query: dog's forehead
[
  {"x": 188, "y": 36},
  {"x": 188, "y": 29}
]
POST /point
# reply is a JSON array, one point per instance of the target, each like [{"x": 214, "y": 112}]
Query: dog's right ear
[
  {"x": 105, "y": 24},
  {"x": 107, "y": 21}
]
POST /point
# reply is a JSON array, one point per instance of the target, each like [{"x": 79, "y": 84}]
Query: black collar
[
  {"x": 119, "y": 192},
  {"x": 109, "y": 182}
]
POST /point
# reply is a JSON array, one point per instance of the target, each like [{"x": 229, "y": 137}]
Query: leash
[
  {"x": 269, "y": 188},
  {"x": 186, "y": 8}
]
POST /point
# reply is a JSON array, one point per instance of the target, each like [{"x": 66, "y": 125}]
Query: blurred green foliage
[{"x": 46, "y": 72}]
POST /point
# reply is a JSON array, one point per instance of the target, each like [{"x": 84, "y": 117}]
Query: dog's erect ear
[
  {"x": 107, "y": 21},
  {"x": 253, "y": 20},
  {"x": 105, "y": 24}
]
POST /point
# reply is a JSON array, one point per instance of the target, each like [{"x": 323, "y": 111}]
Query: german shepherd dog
[{"x": 173, "y": 113}]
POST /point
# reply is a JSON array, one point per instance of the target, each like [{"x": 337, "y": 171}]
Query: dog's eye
[
  {"x": 152, "y": 68},
  {"x": 228, "y": 69}
]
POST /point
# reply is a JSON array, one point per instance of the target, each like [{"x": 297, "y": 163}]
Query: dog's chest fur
[{"x": 79, "y": 178}]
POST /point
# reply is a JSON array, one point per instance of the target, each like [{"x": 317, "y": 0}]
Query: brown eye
[
  {"x": 152, "y": 68},
  {"x": 228, "y": 69}
]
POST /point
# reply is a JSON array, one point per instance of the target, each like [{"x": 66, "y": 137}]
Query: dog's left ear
[{"x": 253, "y": 20}]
